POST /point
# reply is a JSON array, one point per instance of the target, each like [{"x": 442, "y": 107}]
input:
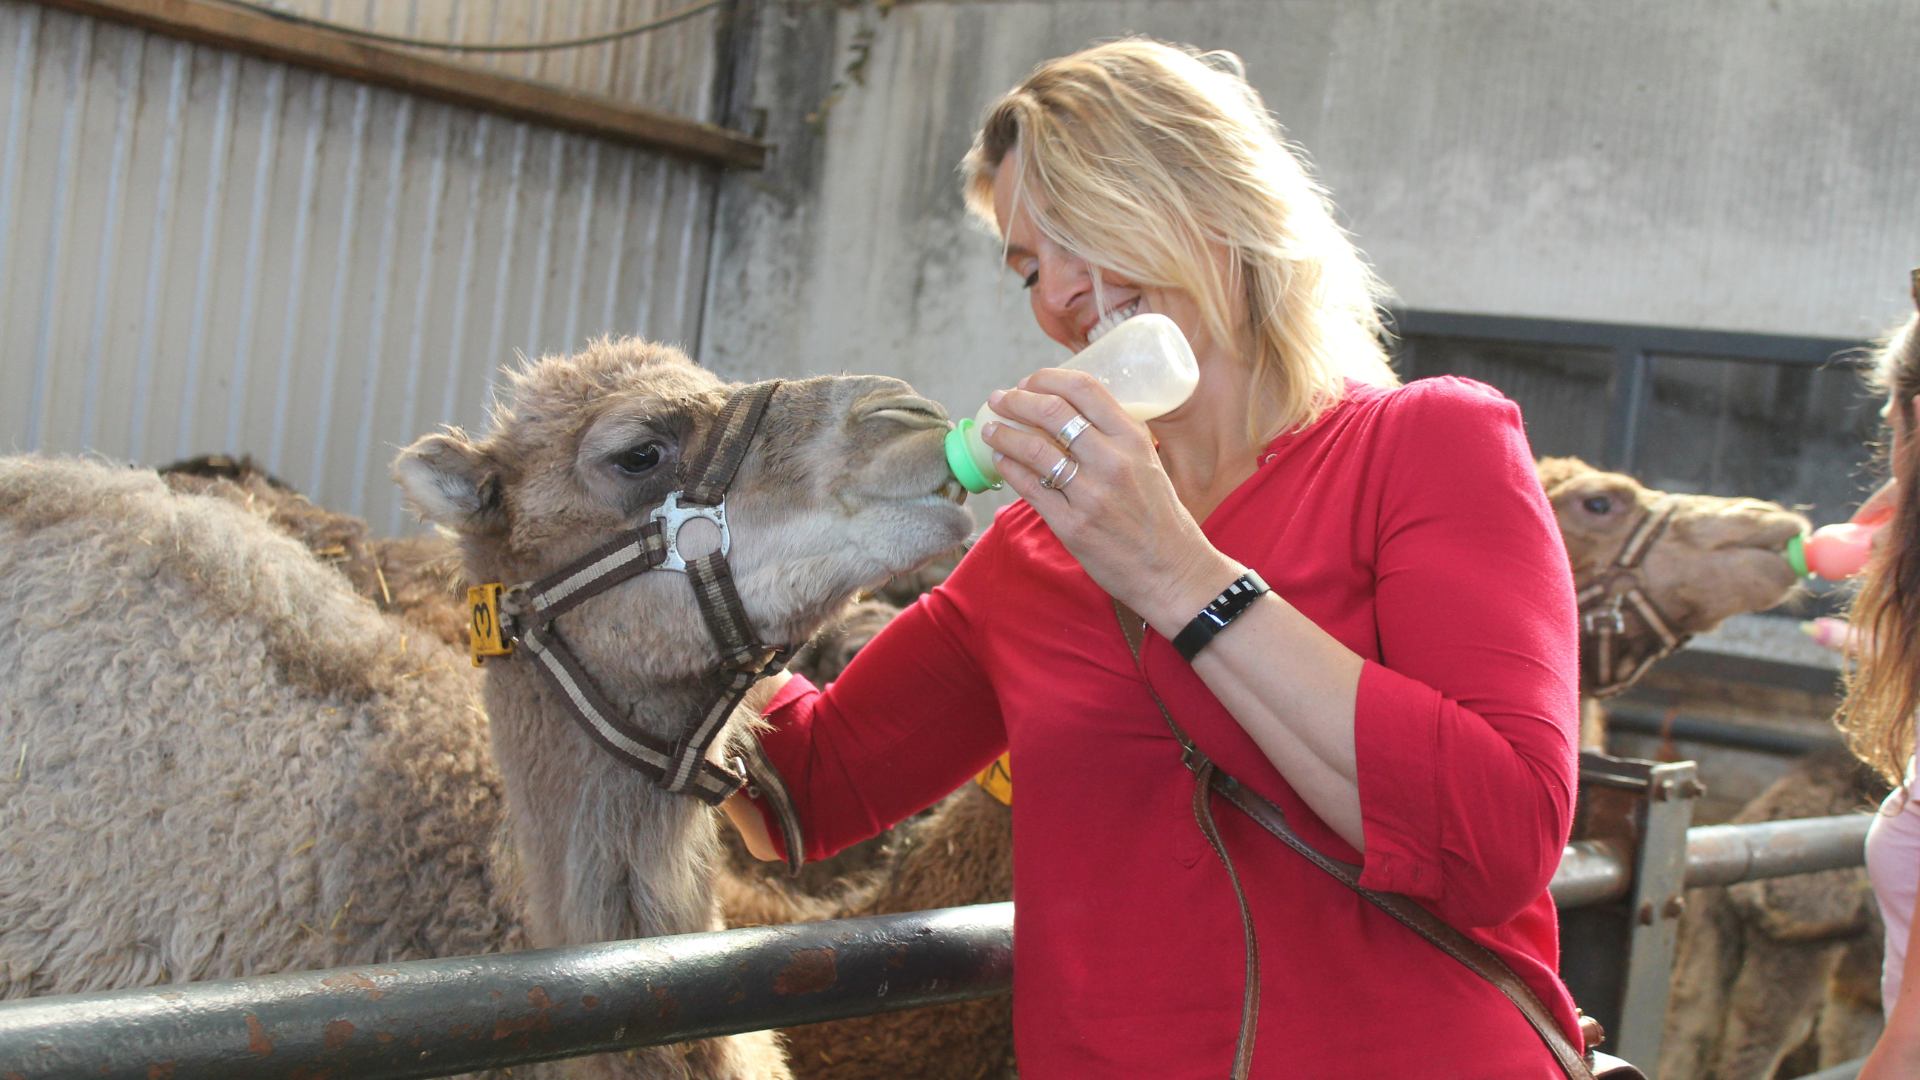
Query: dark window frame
[{"x": 1633, "y": 346}]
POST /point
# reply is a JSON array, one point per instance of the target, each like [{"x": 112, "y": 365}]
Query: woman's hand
[
  {"x": 1287, "y": 682},
  {"x": 1879, "y": 506},
  {"x": 1118, "y": 513}
]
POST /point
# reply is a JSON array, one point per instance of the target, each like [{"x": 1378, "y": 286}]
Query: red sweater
[{"x": 1409, "y": 524}]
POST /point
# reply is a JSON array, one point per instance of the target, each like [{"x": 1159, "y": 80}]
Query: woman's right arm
[
  {"x": 1897, "y": 1055},
  {"x": 912, "y": 718}
]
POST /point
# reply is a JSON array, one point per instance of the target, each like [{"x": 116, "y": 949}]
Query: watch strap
[{"x": 1214, "y": 618}]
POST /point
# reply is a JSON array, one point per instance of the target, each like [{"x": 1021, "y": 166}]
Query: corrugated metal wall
[{"x": 206, "y": 252}]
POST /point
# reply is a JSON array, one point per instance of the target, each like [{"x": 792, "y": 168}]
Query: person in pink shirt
[
  {"x": 1406, "y": 692},
  {"x": 1883, "y": 695}
]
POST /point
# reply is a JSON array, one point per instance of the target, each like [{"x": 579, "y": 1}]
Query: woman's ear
[{"x": 451, "y": 482}]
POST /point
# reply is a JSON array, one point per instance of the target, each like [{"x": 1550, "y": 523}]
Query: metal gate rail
[
  {"x": 437, "y": 1017},
  {"x": 1594, "y": 872}
]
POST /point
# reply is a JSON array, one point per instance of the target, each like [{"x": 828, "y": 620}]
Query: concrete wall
[{"x": 1727, "y": 164}]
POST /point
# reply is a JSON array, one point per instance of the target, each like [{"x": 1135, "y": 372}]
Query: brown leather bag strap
[
  {"x": 1206, "y": 779},
  {"x": 1408, "y": 911},
  {"x": 1411, "y": 913}
]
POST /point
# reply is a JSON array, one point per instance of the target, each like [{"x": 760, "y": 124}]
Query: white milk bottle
[{"x": 1144, "y": 362}]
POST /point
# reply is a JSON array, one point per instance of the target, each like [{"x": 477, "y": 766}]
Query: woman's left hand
[{"x": 1118, "y": 513}]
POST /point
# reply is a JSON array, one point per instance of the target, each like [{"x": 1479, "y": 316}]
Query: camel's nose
[
  {"x": 902, "y": 406},
  {"x": 1748, "y": 523}
]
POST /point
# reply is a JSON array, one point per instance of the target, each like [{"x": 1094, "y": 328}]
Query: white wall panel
[{"x": 205, "y": 252}]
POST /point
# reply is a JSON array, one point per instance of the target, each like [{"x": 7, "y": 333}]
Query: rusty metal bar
[{"x": 438, "y": 1017}]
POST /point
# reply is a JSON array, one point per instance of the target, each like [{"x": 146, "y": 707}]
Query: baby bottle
[
  {"x": 1146, "y": 364},
  {"x": 1835, "y": 552}
]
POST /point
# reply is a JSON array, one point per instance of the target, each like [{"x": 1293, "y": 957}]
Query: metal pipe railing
[
  {"x": 1594, "y": 872},
  {"x": 1591, "y": 872},
  {"x": 1648, "y": 720},
  {"x": 1725, "y": 854},
  {"x": 428, "y": 1018}
]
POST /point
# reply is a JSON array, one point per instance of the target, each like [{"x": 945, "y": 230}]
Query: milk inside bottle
[{"x": 1145, "y": 363}]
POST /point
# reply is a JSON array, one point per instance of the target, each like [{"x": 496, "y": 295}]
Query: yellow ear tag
[
  {"x": 485, "y": 637},
  {"x": 998, "y": 778}
]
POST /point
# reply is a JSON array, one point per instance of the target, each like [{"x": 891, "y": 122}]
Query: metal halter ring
[
  {"x": 1054, "y": 481},
  {"x": 1072, "y": 430}
]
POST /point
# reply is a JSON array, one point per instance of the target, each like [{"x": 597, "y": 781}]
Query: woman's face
[{"x": 1060, "y": 284}]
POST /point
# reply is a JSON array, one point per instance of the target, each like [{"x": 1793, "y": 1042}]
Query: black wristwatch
[{"x": 1215, "y": 616}]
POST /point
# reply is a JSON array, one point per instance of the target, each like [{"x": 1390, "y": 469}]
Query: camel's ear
[
  {"x": 450, "y": 482},
  {"x": 1555, "y": 471}
]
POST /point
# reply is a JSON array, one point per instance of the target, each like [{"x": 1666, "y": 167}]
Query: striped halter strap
[
  {"x": 526, "y": 614},
  {"x": 1622, "y": 587}
]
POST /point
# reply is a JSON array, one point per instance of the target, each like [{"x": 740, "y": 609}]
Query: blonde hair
[
  {"x": 1152, "y": 158},
  {"x": 1883, "y": 691}
]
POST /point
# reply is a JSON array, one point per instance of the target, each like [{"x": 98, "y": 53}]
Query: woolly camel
[
  {"x": 1715, "y": 558},
  {"x": 229, "y": 764},
  {"x": 1782, "y": 967},
  {"x": 417, "y": 578}
]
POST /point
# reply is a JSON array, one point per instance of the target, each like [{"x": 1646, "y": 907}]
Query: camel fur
[
  {"x": 1718, "y": 558},
  {"x": 1765, "y": 968},
  {"x": 229, "y": 763},
  {"x": 225, "y": 763},
  {"x": 417, "y": 578}
]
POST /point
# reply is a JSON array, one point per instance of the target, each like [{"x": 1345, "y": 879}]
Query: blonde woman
[
  {"x": 1883, "y": 694},
  {"x": 1405, "y": 692}
]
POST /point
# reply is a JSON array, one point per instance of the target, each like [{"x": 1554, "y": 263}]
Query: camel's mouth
[{"x": 952, "y": 491}]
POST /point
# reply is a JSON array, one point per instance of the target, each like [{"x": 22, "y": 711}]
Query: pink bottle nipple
[{"x": 1837, "y": 552}]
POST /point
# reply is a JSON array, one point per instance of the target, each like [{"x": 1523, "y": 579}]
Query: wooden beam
[{"x": 338, "y": 54}]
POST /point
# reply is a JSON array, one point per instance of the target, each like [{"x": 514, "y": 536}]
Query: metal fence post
[
  {"x": 1658, "y": 898},
  {"x": 1617, "y": 957}
]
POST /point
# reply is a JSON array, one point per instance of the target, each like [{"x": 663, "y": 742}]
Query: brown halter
[
  {"x": 526, "y": 615},
  {"x": 1603, "y": 604}
]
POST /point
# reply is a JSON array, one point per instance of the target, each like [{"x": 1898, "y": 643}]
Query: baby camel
[
  {"x": 844, "y": 486},
  {"x": 1693, "y": 561}
]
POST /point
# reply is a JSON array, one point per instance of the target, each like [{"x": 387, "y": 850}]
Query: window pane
[
  {"x": 1787, "y": 432},
  {"x": 1563, "y": 392}
]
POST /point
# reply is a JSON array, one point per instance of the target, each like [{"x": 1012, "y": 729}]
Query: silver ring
[
  {"x": 1072, "y": 430},
  {"x": 1054, "y": 481}
]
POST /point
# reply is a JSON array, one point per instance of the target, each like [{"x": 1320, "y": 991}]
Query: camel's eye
[
  {"x": 635, "y": 460},
  {"x": 1599, "y": 504}
]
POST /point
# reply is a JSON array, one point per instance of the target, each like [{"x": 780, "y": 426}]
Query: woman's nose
[{"x": 1064, "y": 282}]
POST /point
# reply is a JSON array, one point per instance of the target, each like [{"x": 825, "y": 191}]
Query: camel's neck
[{"x": 605, "y": 853}]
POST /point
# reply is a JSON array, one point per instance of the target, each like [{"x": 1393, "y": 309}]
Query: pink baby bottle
[{"x": 1837, "y": 552}]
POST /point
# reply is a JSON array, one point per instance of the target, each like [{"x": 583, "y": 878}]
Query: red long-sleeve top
[{"x": 1408, "y": 524}]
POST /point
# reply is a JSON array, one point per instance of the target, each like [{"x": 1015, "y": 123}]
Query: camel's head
[
  {"x": 843, "y": 484},
  {"x": 1717, "y": 557}
]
